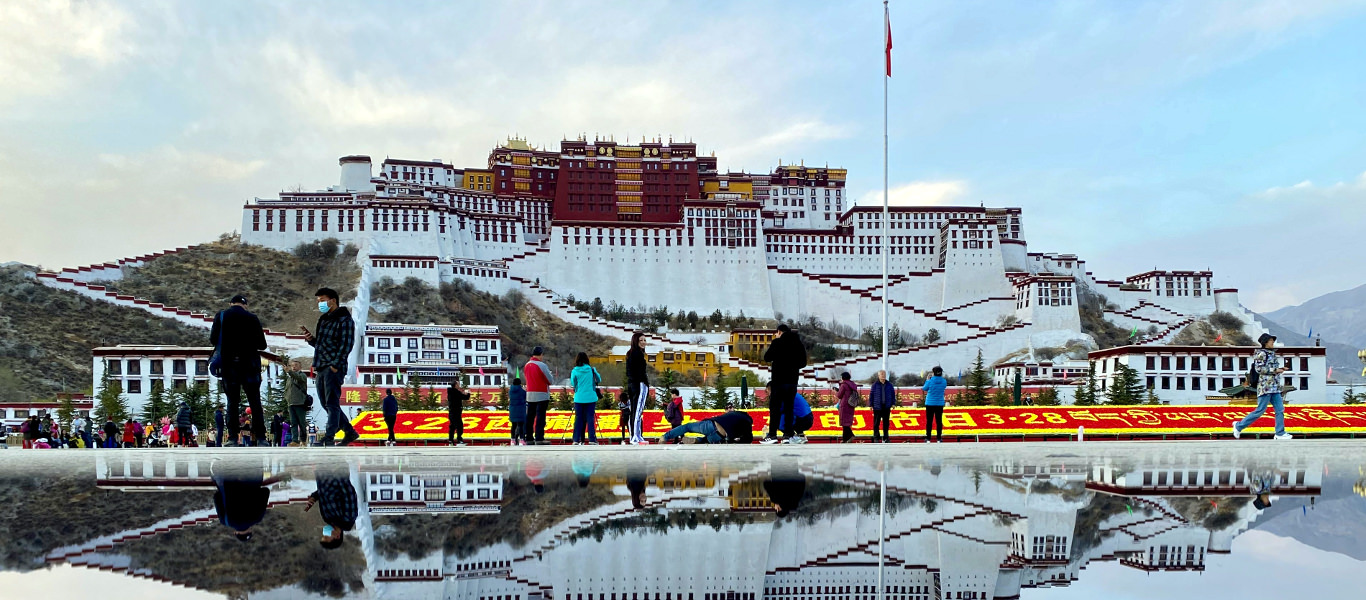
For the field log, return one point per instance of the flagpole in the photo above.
(886, 210)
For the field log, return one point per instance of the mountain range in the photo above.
(1338, 316)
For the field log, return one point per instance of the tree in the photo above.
(931, 336)
(718, 396)
(66, 411)
(596, 307)
(979, 381)
(1349, 395)
(692, 319)
(274, 400)
(109, 401)
(1002, 397)
(1125, 387)
(563, 400)
(1152, 399)
(665, 382)
(1047, 397)
(716, 317)
(1086, 394)
(157, 405)
(410, 398)
(503, 399)
(373, 399)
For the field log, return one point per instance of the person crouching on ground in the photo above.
(731, 427)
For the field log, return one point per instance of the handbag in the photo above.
(856, 399)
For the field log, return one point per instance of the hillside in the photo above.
(522, 325)
(279, 285)
(1339, 317)
(1341, 357)
(46, 335)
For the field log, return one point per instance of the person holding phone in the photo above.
(331, 351)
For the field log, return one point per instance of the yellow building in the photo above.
(750, 344)
(731, 186)
(663, 358)
(480, 180)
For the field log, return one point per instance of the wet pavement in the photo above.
(915, 521)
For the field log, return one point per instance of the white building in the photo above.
(1045, 372)
(138, 369)
(1191, 374)
(435, 353)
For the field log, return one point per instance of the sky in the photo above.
(1222, 135)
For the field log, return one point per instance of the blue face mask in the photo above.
(323, 307)
(327, 530)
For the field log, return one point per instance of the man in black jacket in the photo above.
(239, 337)
(732, 427)
(787, 357)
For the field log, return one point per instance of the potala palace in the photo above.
(656, 224)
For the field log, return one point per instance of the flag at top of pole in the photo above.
(887, 17)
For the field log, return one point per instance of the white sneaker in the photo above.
(1284, 436)
(1236, 432)
(801, 439)
(768, 441)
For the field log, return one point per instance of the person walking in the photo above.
(730, 427)
(585, 380)
(881, 399)
(847, 395)
(184, 424)
(239, 338)
(787, 357)
(331, 352)
(389, 407)
(538, 379)
(277, 430)
(456, 397)
(218, 423)
(296, 398)
(517, 412)
(673, 409)
(1266, 365)
(934, 403)
(637, 385)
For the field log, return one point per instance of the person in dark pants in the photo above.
(336, 501)
(538, 379)
(624, 405)
(277, 429)
(787, 357)
(517, 412)
(638, 386)
(389, 407)
(847, 393)
(731, 427)
(456, 397)
(934, 403)
(111, 433)
(239, 337)
(331, 353)
(218, 426)
(296, 397)
(881, 399)
(242, 496)
(585, 379)
(184, 424)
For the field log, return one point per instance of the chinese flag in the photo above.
(888, 19)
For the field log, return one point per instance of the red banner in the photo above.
(968, 421)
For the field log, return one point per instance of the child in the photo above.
(624, 403)
(517, 412)
(673, 411)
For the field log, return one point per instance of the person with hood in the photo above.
(456, 397)
(389, 407)
(296, 397)
(517, 412)
(585, 380)
(881, 398)
(331, 352)
(538, 380)
(787, 357)
(184, 423)
(637, 385)
(730, 427)
(673, 410)
(1266, 365)
(847, 394)
(239, 338)
(934, 403)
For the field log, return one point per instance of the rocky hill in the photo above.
(46, 335)
(1341, 357)
(279, 285)
(1339, 317)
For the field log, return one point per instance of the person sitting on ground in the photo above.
(731, 427)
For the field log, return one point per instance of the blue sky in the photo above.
(1183, 135)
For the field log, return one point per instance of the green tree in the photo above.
(1002, 397)
(1125, 387)
(716, 317)
(562, 400)
(201, 414)
(1086, 394)
(157, 405)
(931, 336)
(979, 381)
(1152, 399)
(503, 399)
(718, 395)
(1047, 397)
(665, 382)
(410, 397)
(66, 411)
(692, 319)
(109, 401)
(274, 399)
(1349, 395)
(373, 397)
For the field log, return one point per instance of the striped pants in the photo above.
(637, 432)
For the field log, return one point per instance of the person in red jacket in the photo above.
(538, 378)
(673, 411)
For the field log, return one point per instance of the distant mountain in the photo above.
(1337, 523)
(1341, 357)
(1339, 317)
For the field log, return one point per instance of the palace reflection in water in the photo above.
(653, 525)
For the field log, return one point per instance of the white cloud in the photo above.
(46, 43)
(919, 193)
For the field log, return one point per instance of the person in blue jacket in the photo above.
(881, 398)
(517, 412)
(934, 403)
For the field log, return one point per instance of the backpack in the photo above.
(1252, 375)
(855, 399)
(670, 411)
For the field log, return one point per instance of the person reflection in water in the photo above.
(636, 477)
(242, 496)
(785, 486)
(336, 501)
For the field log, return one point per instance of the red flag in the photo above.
(1219, 337)
(888, 18)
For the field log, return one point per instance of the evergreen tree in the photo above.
(718, 395)
(109, 401)
(1047, 397)
(562, 400)
(931, 336)
(274, 399)
(201, 414)
(979, 381)
(157, 405)
(1086, 394)
(503, 399)
(66, 411)
(1125, 387)
(373, 397)
(1001, 397)
(665, 382)
(1152, 399)
(410, 397)
(475, 402)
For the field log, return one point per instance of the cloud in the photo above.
(44, 44)
(919, 193)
